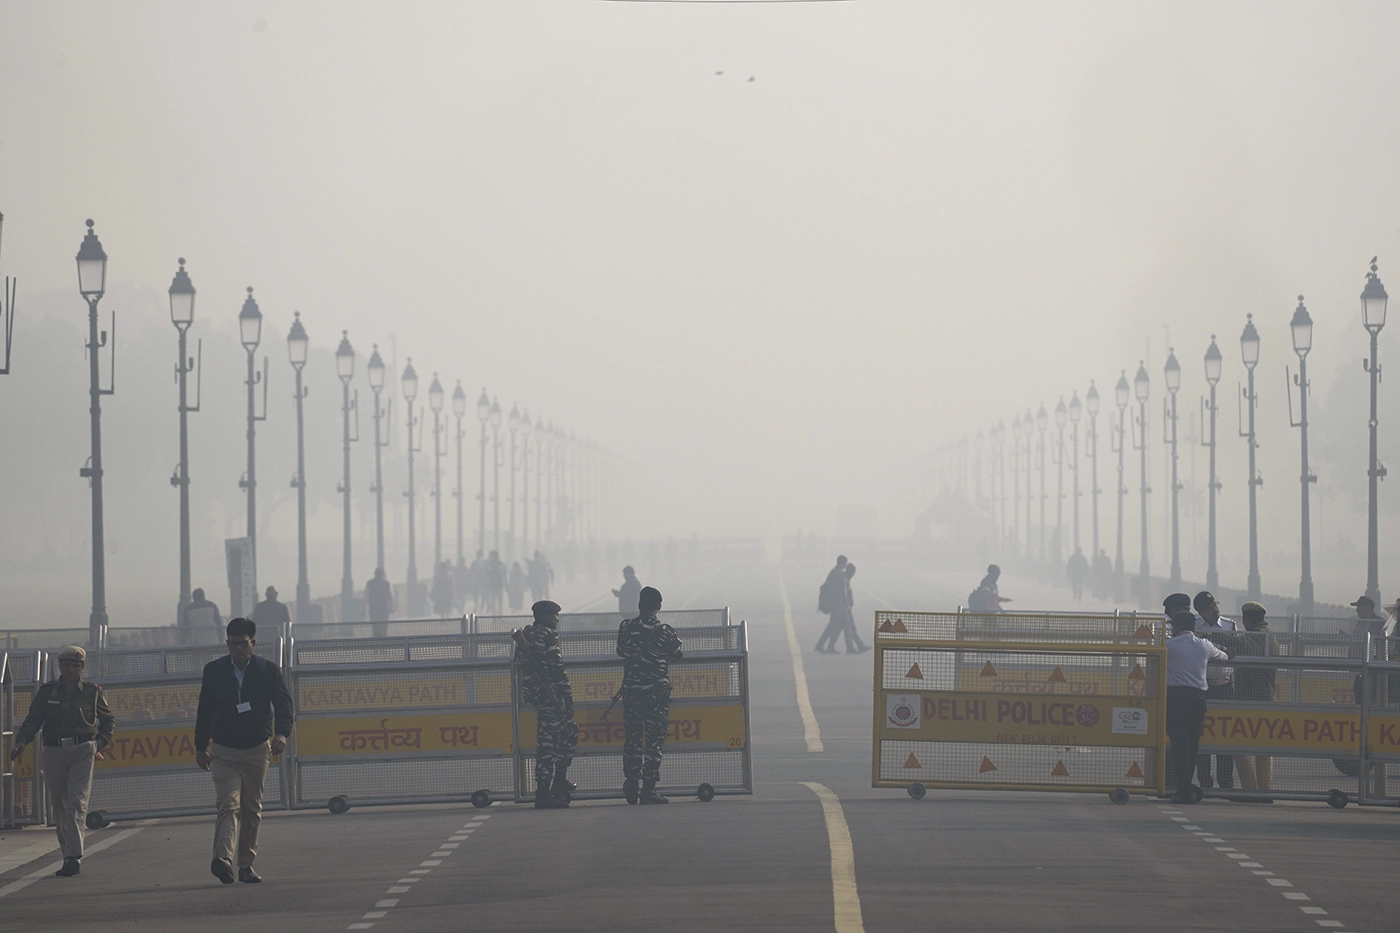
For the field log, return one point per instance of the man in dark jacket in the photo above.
(628, 594)
(270, 613)
(246, 711)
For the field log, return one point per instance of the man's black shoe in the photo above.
(649, 794)
(248, 876)
(221, 869)
(71, 867)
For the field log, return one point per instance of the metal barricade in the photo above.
(602, 621)
(395, 628)
(44, 639)
(23, 803)
(707, 751)
(1381, 752)
(412, 719)
(149, 770)
(1035, 701)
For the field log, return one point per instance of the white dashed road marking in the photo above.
(404, 885)
(1244, 861)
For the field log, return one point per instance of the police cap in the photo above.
(544, 608)
(73, 653)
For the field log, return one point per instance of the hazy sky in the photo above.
(773, 296)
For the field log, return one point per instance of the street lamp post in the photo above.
(1061, 417)
(1091, 404)
(1042, 420)
(1075, 411)
(1016, 490)
(409, 387)
(250, 333)
(1172, 378)
(296, 353)
(1249, 350)
(435, 401)
(496, 475)
(182, 316)
(1213, 366)
(7, 315)
(483, 414)
(513, 426)
(1120, 399)
(381, 412)
(539, 480)
(1140, 387)
(459, 409)
(345, 370)
(1373, 303)
(1301, 326)
(525, 428)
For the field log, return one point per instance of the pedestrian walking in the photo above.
(541, 575)
(76, 723)
(270, 614)
(1187, 657)
(1255, 685)
(845, 614)
(443, 592)
(829, 597)
(629, 593)
(1103, 575)
(201, 622)
(495, 584)
(478, 577)
(379, 601)
(1077, 571)
(243, 721)
(647, 647)
(515, 586)
(1221, 685)
(544, 684)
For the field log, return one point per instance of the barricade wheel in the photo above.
(481, 799)
(1118, 795)
(96, 819)
(917, 790)
(1337, 800)
(338, 805)
(705, 792)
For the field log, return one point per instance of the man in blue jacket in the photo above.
(245, 710)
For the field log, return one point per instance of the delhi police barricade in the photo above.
(149, 770)
(707, 749)
(22, 799)
(1294, 731)
(408, 719)
(1046, 702)
(602, 621)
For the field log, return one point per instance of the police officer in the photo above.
(647, 647)
(77, 725)
(544, 684)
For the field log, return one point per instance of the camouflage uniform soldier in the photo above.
(647, 647)
(544, 684)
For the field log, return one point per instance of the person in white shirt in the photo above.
(1187, 657)
(1220, 685)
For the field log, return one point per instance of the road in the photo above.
(815, 848)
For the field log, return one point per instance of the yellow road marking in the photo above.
(811, 731)
(845, 898)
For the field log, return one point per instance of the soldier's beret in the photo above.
(544, 607)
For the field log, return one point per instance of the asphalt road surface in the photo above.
(815, 848)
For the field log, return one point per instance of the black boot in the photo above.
(649, 794)
(562, 789)
(629, 790)
(544, 800)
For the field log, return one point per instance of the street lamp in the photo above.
(459, 409)
(296, 353)
(182, 316)
(513, 425)
(92, 282)
(250, 333)
(381, 413)
(1016, 489)
(525, 429)
(1120, 399)
(1373, 302)
(496, 474)
(1249, 351)
(1213, 366)
(539, 480)
(1172, 377)
(483, 414)
(1075, 412)
(1091, 405)
(1301, 326)
(435, 402)
(1140, 387)
(1061, 418)
(7, 314)
(1042, 420)
(409, 391)
(345, 370)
